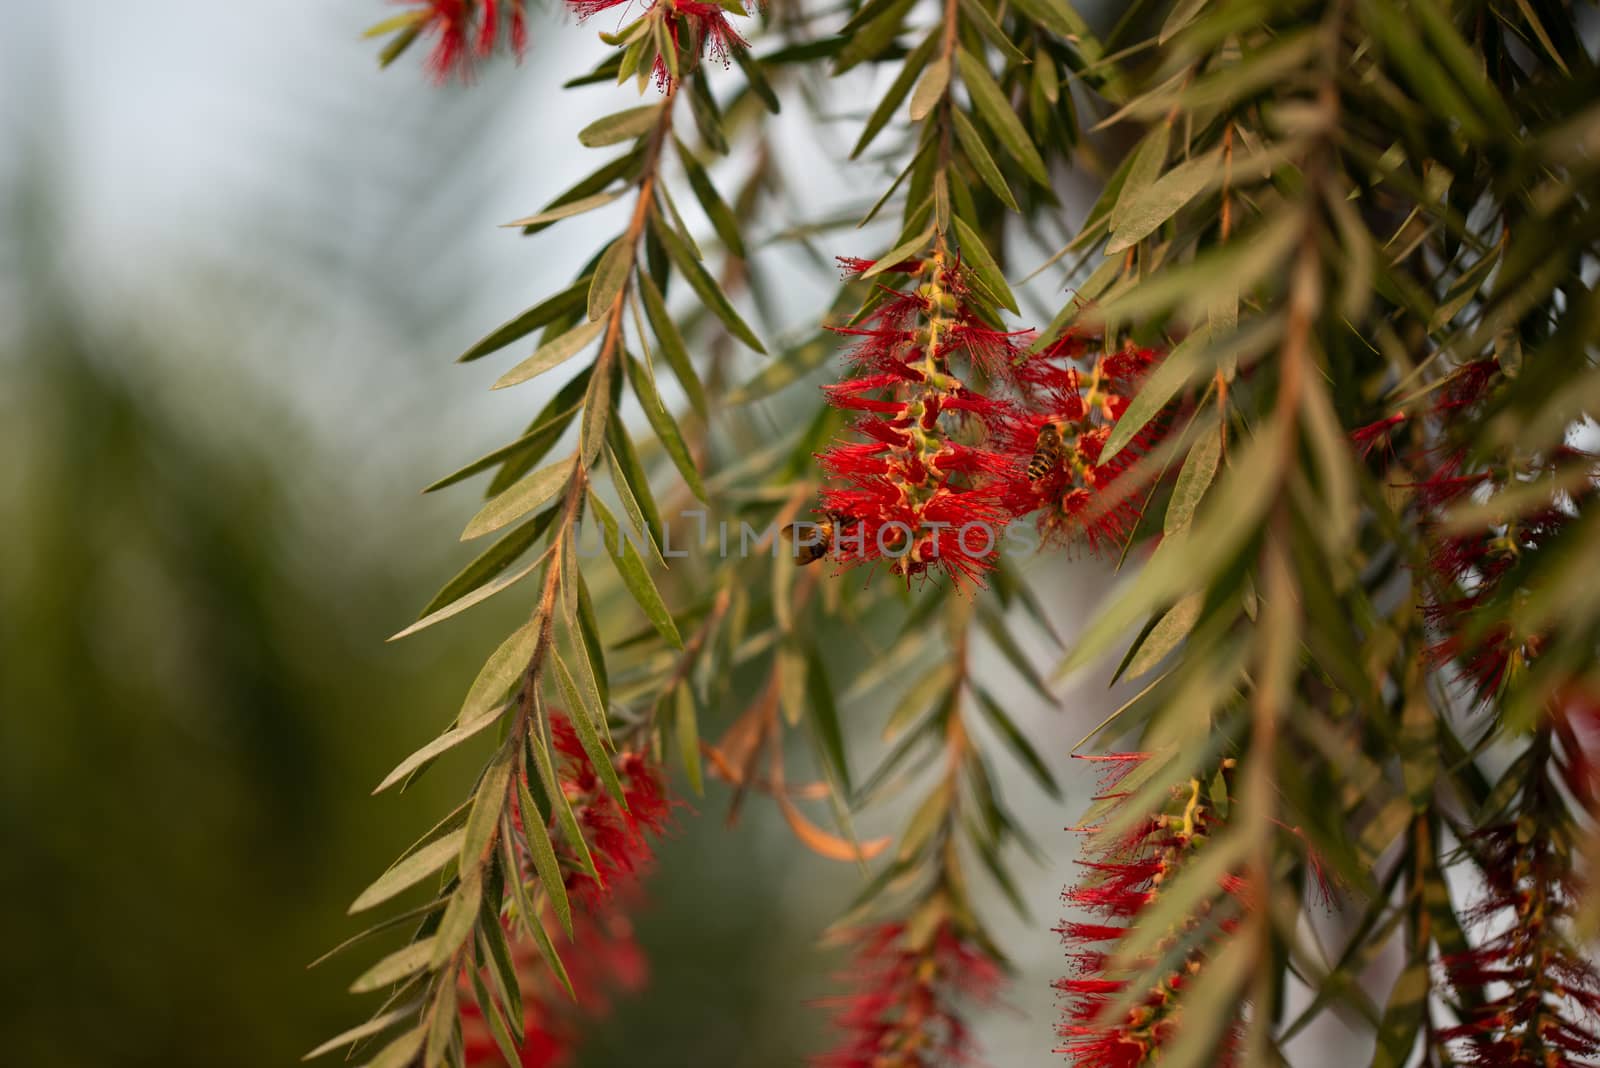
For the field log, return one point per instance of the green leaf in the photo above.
(873, 37)
(703, 284)
(484, 818)
(757, 79)
(631, 569)
(930, 89)
(665, 426)
(619, 127)
(442, 744)
(540, 749)
(633, 490)
(1058, 17)
(1233, 516)
(978, 155)
(1174, 626)
(1402, 1017)
(721, 216)
(994, 625)
(898, 89)
(900, 253)
(402, 962)
(1181, 15)
(543, 854)
(551, 354)
(504, 667)
(610, 275)
(490, 1009)
(519, 499)
(1183, 365)
(583, 715)
(399, 1053)
(687, 730)
(1152, 206)
(672, 344)
(566, 211)
(979, 17)
(410, 871)
(983, 266)
(530, 448)
(1193, 480)
(492, 562)
(541, 314)
(1018, 742)
(380, 1023)
(460, 917)
(1143, 170)
(996, 112)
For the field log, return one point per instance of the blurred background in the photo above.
(236, 263)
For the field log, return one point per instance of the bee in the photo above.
(812, 541)
(1047, 452)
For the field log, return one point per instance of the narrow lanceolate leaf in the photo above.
(504, 666)
(930, 89)
(672, 344)
(1018, 742)
(519, 499)
(983, 266)
(1174, 625)
(442, 744)
(480, 593)
(1193, 480)
(492, 562)
(1143, 170)
(543, 853)
(1221, 530)
(1162, 200)
(897, 91)
(487, 805)
(996, 112)
(410, 871)
(711, 202)
(704, 285)
(551, 354)
(460, 916)
(376, 1025)
(824, 718)
(541, 314)
(568, 823)
(399, 1053)
(630, 567)
(584, 714)
(982, 162)
(900, 253)
(1180, 367)
(686, 727)
(566, 211)
(619, 127)
(402, 962)
(610, 275)
(665, 426)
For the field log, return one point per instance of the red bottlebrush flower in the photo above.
(1539, 994)
(909, 986)
(925, 489)
(1122, 879)
(1057, 445)
(616, 837)
(1373, 435)
(602, 959)
(464, 27)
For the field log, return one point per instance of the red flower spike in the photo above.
(602, 959)
(925, 490)
(908, 988)
(1121, 881)
(464, 28)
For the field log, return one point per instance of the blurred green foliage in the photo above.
(197, 699)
